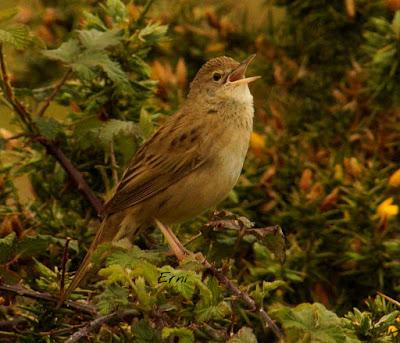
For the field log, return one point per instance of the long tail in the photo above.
(104, 234)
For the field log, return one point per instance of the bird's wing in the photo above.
(174, 151)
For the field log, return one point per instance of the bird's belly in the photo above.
(206, 188)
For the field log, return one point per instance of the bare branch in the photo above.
(96, 323)
(54, 93)
(25, 292)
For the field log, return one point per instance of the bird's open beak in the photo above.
(238, 75)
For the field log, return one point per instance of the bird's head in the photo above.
(222, 78)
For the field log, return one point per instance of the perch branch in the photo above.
(25, 292)
(96, 323)
(54, 93)
(222, 278)
(180, 253)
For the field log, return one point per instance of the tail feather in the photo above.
(86, 265)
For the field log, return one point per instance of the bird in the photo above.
(189, 165)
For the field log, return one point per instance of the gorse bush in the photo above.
(86, 83)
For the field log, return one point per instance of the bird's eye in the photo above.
(217, 76)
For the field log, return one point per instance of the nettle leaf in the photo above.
(152, 33)
(67, 52)
(7, 247)
(274, 239)
(49, 127)
(114, 127)
(211, 305)
(18, 36)
(114, 297)
(91, 59)
(244, 335)
(96, 40)
(313, 321)
(185, 335)
(181, 281)
(144, 333)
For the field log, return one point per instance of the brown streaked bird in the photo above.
(189, 164)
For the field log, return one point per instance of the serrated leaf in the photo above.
(49, 127)
(67, 52)
(144, 333)
(96, 40)
(91, 59)
(274, 239)
(185, 335)
(152, 33)
(244, 335)
(114, 297)
(181, 281)
(7, 246)
(313, 321)
(18, 36)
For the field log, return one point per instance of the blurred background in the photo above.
(324, 159)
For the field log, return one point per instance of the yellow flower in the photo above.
(394, 179)
(386, 209)
(257, 142)
(392, 330)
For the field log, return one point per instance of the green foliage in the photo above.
(321, 169)
(184, 334)
(313, 323)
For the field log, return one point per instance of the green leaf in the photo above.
(152, 33)
(146, 123)
(116, 10)
(18, 36)
(274, 239)
(185, 335)
(114, 297)
(211, 305)
(7, 247)
(49, 127)
(396, 25)
(91, 59)
(67, 52)
(96, 40)
(144, 333)
(244, 335)
(314, 323)
(181, 281)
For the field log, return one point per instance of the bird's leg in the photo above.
(176, 246)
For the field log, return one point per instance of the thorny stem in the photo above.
(25, 292)
(96, 323)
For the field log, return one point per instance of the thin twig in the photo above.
(54, 92)
(75, 175)
(96, 323)
(142, 15)
(244, 297)
(64, 262)
(14, 323)
(25, 292)
(180, 253)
